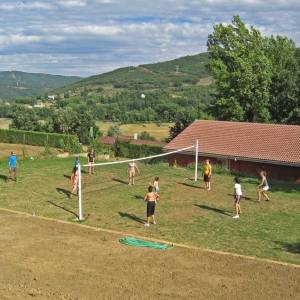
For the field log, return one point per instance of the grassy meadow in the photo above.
(160, 132)
(186, 212)
(4, 123)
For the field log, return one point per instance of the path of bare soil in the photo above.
(43, 259)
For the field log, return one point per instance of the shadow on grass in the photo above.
(132, 217)
(243, 197)
(217, 210)
(64, 208)
(63, 191)
(190, 185)
(289, 247)
(138, 197)
(67, 176)
(120, 181)
(3, 177)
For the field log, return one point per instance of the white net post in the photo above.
(80, 214)
(196, 159)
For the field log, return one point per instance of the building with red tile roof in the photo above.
(243, 147)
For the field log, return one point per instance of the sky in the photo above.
(87, 37)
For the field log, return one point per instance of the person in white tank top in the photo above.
(237, 197)
(132, 170)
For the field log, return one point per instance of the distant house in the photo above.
(243, 147)
(51, 97)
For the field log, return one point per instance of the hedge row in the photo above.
(67, 142)
(125, 149)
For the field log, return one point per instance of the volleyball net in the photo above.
(126, 161)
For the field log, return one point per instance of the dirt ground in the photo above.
(43, 259)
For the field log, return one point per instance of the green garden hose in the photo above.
(140, 243)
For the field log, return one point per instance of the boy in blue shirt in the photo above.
(12, 163)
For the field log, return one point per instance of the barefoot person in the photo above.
(155, 184)
(151, 198)
(12, 164)
(237, 197)
(91, 160)
(74, 181)
(207, 174)
(263, 186)
(132, 170)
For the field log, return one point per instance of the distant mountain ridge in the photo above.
(187, 70)
(15, 84)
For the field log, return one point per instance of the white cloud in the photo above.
(19, 5)
(72, 3)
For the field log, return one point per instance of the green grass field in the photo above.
(159, 132)
(186, 212)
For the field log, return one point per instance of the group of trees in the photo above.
(59, 120)
(256, 77)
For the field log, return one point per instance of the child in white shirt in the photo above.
(237, 197)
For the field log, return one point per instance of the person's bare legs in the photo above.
(153, 220)
(265, 195)
(259, 194)
(208, 186)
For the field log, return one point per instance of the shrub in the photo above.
(34, 138)
(125, 149)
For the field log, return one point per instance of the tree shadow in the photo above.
(132, 217)
(289, 247)
(243, 197)
(63, 191)
(3, 177)
(64, 208)
(217, 210)
(67, 176)
(190, 185)
(138, 197)
(120, 181)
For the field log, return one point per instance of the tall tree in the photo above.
(283, 87)
(242, 72)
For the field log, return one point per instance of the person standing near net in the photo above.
(263, 187)
(151, 198)
(132, 170)
(91, 160)
(155, 184)
(207, 171)
(74, 181)
(12, 164)
(237, 197)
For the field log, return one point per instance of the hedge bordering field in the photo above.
(67, 142)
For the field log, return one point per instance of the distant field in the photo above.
(159, 132)
(4, 123)
(20, 150)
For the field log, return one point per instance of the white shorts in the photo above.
(266, 188)
(131, 173)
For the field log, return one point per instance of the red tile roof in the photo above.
(251, 141)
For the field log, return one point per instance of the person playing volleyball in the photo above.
(263, 186)
(155, 184)
(151, 198)
(74, 181)
(207, 174)
(91, 160)
(237, 197)
(132, 170)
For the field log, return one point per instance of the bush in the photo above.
(34, 138)
(146, 136)
(125, 149)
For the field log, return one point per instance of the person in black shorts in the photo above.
(151, 198)
(91, 160)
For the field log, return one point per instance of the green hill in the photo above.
(188, 70)
(15, 84)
